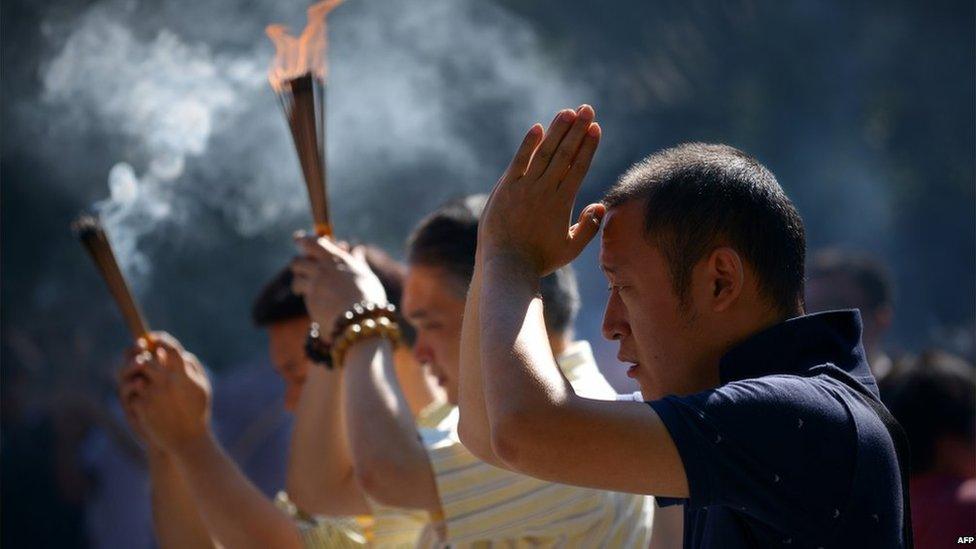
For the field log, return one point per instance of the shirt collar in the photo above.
(797, 345)
(577, 356)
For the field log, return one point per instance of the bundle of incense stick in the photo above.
(297, 75)
(93, 238)
(303, 102)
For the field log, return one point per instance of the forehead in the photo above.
(623, 234)
(428, 290)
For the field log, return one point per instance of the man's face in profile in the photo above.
(656, 335)
(435, 308)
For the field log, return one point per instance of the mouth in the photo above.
(632, 371)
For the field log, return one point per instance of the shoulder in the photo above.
(778, 403)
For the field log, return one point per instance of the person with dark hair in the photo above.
(839, 279)
(467, 501)
(167, 398)
(934, 398)
(763, 422)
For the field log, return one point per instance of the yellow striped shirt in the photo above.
(485, 506)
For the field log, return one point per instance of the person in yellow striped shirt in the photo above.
(468, 501)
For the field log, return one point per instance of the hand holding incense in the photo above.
(92, 236)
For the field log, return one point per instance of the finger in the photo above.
(309, 246)
(305, 266)
(586, 228)
(192, 362)
(166, 340)
(129, 373)
(523, 155)
(570, 146)
(581, 164)
(169, 357)
(131, 390)
(300, 285)
(358, 253)
(540, 161)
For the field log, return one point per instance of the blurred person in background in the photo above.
(933, 396)
(839, 279)
(466, 500)
(185, 520)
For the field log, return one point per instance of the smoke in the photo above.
(423, 94)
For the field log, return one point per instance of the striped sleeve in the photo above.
(321, 532)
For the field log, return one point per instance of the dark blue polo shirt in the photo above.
(782, 454)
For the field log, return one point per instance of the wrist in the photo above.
(191, 444)
(514, 268)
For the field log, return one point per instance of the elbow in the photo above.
(474, 441)
(510, 437)
(378, 477)
(316, 497)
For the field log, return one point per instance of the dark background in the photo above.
(864, 112)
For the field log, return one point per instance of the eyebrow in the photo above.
(416, 314)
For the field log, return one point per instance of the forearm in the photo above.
(235, 512)
(474, 427)
(320, 472)
(390, 462)
(176, 521)
(521, 379)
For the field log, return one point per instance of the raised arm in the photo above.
(320, 470)
(390, 463)
(539, 426)
(176, 520)
(174, 408)
(473, 428)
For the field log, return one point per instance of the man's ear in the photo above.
(726, 277)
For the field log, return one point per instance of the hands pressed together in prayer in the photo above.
(527, 216)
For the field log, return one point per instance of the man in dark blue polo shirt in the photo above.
(763, 422)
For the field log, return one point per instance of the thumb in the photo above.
(586, 228)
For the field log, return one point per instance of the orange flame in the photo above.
(295, 56)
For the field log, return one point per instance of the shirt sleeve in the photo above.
(778, 448)
(484, 502)
(322, 532)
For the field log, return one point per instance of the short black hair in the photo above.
(448, 239)
(870, 275)
(932, 396)
(276, 302)
(697, 196)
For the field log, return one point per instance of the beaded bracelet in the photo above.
(316, 349)
(368, 328)
(359, 312)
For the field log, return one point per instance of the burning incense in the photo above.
(297, 76)
(93, 238)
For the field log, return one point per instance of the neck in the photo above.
(736, 331)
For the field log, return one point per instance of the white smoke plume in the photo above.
(446, 85)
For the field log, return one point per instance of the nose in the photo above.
(615, 325)
(422, 351)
